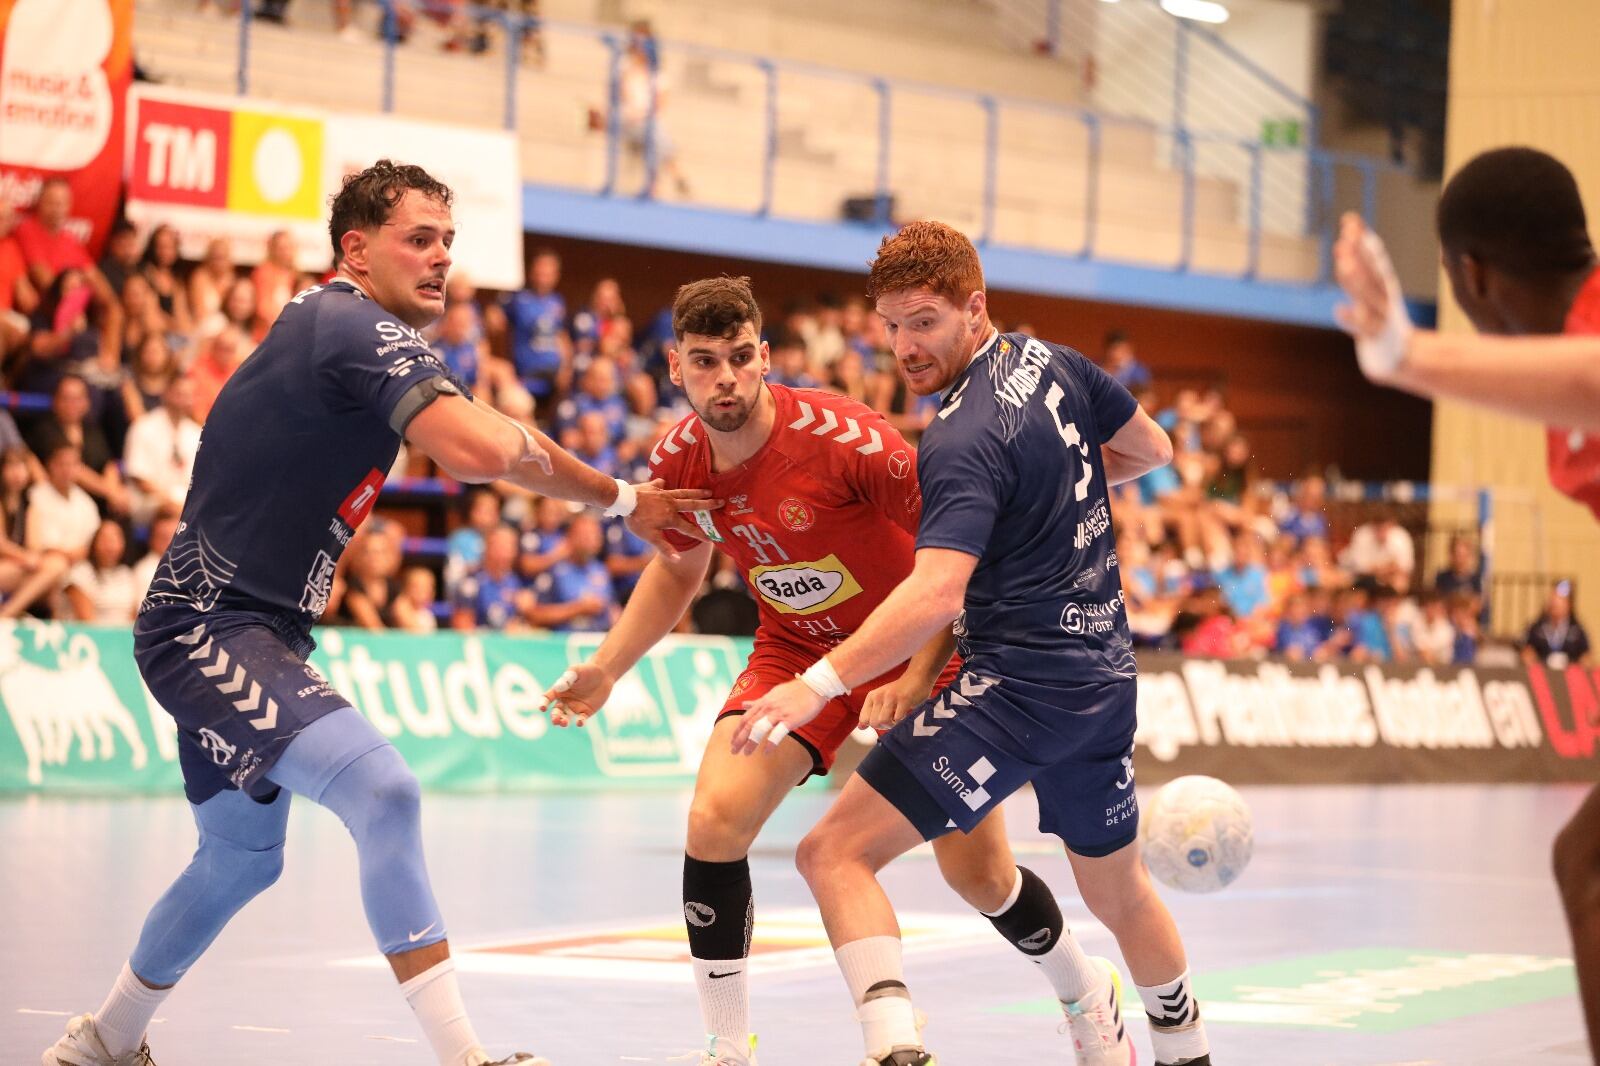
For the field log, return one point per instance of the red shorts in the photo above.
(770, 665)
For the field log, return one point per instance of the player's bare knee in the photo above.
(817, 852)
(979, 880)
(719, 830)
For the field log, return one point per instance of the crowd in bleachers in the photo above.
(115, 365)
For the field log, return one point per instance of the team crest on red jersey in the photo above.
(741, 686)
(796, 515)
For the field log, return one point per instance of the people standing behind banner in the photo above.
(274, 279)
(576, 594)
(1556, 639)
(102, 588)
(493, 596)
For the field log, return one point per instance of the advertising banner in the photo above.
(65, 66)
(217, 166)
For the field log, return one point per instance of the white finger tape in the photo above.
(565, 681)
(779, 731)
(759, 731)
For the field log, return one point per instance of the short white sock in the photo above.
(123, 1018)
(725, 1000)
(867, 961)
(1176, 1032)
(888, 1022)
(435, 998)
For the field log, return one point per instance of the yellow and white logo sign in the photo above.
(805, 588)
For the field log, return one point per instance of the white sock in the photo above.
(123, 1018)
(887, 1020)
(1176, 1032)
(435, 998)
(867, 961)
(724, 986)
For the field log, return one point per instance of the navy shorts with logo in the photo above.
(959, 754)
(239, 687)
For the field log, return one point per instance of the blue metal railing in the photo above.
(1257, 160)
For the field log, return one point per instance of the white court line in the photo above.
(46, 1013)
(394, 1039)
(258, 1029)
(1394, 874)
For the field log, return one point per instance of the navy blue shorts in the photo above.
(238, 686)
(947, 765)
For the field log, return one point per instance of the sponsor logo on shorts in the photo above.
(247, 766)
(220, 750)
(699, 915)
(1082, 619)
(1093, 526)
(1127, 775)
(973, 795)
(805, 587)
(796, 515)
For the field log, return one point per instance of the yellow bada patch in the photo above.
(805, 588)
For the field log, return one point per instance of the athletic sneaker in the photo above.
(1095, 1024)
(903, 1055)
(728, 1056)
(480, 1057)
(81, 1046)
(1203, 1060)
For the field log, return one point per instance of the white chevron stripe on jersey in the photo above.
(193, 636)
(807, 416)
(830, 422)
(874, 445)
(853, 432)
(270, 718)
(670, 445)
(686, 435)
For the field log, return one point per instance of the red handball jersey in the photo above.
(1574, 456)
(821, 521)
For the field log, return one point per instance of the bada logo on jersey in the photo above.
(805, 588)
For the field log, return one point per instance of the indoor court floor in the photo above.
(1376, 926)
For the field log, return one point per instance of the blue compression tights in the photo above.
(343, 764)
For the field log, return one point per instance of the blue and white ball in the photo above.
(1196, 834)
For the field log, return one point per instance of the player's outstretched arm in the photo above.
(665, 590)
(1139, 447)
(1554, 380)
(912, 614)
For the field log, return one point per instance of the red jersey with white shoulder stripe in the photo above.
(821, 521)
(1573, 455)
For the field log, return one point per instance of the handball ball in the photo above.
(1196, 834)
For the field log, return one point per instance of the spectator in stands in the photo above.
(642, 97)
(1400, 619)
(26, 574)
(591, 444)
(238, 312)
(493, 596)
(141, 316)
(823, 333)
(450, 15)
(209, 283)
(274, 278)
(595, 329)
(1556, 639)
(545, 544)
(1317, 567)
(626, 556)
(535, 324)
(101, 588)
(1361, 635)
(161, 531)
(464, 546)
(152, 369)
(1283, 572)
(219, 358)
(67, 423)
(412, 609)
(1204, 627)
(575, 595)
(1122, 363)
(1307, 514)
(58, 331)
(158, 456)
(1463, 573)
(62, 517)
(159, 265)
(599, 393)
(460, 345)
(790, 367)
(18, 296)
(370, 578)
(848, 376)
(1299, 634)
(1380, 547)
(120, 261)
(1435, 637)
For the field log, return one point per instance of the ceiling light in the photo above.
(1199, 10)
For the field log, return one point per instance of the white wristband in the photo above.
(627, 499)
(821, 678)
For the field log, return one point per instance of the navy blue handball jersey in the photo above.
(293, 456)
(1011, 472)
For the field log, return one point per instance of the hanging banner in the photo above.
(243, 169)
(65, 66)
